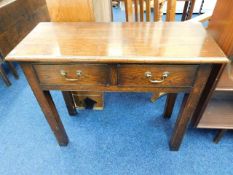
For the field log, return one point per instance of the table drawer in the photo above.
(157, 75)
(83, 74)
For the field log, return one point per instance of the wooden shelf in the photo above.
(219, 112)
(226, 81)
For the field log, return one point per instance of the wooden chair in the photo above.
(135, 10)
(3, 73)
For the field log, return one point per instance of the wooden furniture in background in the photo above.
(158, 5)
(135, 10)
(188, 9)
(121, 62)
(80, 11)
(3, 73)
(218, 114)
(70, 11)
(17, 19)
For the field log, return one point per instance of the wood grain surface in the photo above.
(134, 75)
(89, 74)
(119, 43)
(71, 10)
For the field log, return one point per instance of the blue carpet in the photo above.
(128, 137)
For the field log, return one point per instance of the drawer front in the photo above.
(83, 74)
(157, 75)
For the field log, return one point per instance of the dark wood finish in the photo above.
(136, 3)
(189, 106)
(207, 93)
(219, 135)
(17, 19)
(68, 98)
(10, 65)
(13, 70)
(47, 106)
(4, 76)
(188, 10)
(3, 73)
(115, 88)
(158, 7)
(184, 14)
(134, 75)
(148, 43)
(89, 74)
(73, 11)
(170, 102)
(132, 46)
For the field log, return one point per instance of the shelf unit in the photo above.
(219, 111)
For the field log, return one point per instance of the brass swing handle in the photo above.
(162, 79)
(65, 75)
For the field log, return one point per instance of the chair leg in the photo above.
(170, 102)
(4, 76)
(219, 135)
(13, 70)
(184, 14)
(69, 103)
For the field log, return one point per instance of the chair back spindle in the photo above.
(135, 10)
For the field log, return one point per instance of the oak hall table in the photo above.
(119, 57)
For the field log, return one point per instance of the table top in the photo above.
(171, 42)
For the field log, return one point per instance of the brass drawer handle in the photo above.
(65, 75)
(150, 76)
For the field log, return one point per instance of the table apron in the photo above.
(116, 88)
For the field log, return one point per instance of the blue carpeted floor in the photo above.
(128, 137)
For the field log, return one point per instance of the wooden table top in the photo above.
(173, 42)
